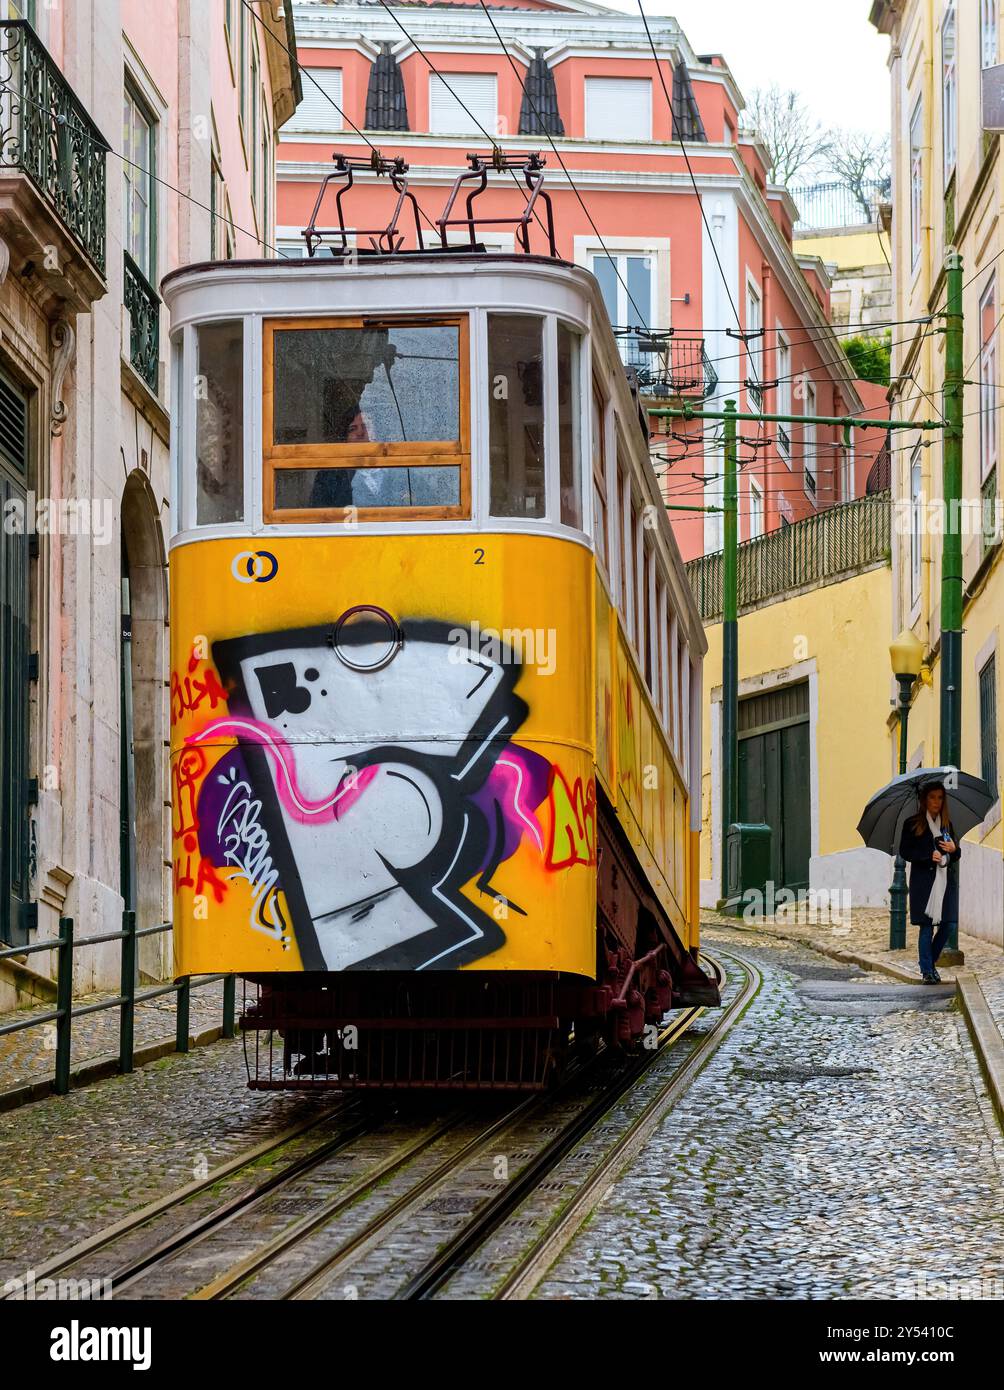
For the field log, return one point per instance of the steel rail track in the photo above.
(91, 1245)
(451, 1257)
(232, 1279)
(558, 1233)
(220, 1216)
(322, 1274)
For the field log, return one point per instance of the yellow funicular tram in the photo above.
(436, 667)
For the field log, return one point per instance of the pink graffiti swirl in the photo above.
(351, 784)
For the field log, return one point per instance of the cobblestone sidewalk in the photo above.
(30, 1054)
(865, 931)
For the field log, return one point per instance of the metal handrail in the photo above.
(125, 1001)
(818, 549)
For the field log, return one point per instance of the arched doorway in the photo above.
(143, 716)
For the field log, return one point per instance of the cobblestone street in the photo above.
(839, 1143)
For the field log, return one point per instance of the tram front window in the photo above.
(366, 414)
(219, 423)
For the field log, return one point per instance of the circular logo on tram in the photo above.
(254, 566)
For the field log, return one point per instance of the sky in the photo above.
(825, 49)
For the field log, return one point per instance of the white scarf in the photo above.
(937, 897)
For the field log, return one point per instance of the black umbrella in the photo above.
(882, 821)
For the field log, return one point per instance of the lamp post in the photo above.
(906, 655)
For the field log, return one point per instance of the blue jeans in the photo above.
(929, 950)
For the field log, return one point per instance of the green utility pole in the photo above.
(951, 554)
(730, 640)
(730, 556)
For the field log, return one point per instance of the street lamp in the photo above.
(907, 656)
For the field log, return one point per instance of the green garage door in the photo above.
(774, 777)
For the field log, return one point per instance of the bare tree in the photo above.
(794, 141)
(860, 161)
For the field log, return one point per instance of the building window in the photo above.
(217, 201)
(988, 725)
(618, 108)
(253, 142)
(754, 348)
(229, 241)
(321, 107)
(756, 510)
(988, 380)
(627, 283)
(242, 60)
(988, 32)
(783, 395)
(949, 93)
(916, 180)
(266, 187)
(847, 471)
(463, 103)
(139, 133)
(916, 509)
(809, 441)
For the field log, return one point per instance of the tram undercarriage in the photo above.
(477, 1030)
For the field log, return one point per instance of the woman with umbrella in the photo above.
(910, 816)
(928, 844)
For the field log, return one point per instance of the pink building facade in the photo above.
(684, 273)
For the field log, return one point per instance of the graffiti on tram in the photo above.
(375, 776)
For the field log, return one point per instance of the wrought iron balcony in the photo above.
(47, 135)
(669, 367)
(143, 306)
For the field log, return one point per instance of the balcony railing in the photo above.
(143, 306)
(819, 550)
(825, 205)
(46, 133)
(668, 366)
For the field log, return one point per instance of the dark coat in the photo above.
(918, 851)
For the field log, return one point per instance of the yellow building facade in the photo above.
(948, 191)
(814, 714)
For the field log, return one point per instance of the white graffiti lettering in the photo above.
(247, 849)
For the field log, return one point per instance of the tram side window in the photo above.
(516, 415)
(368, 414)
(624, 548)
(569, 415)
(647, 578)
(219, 423)
(599, 481)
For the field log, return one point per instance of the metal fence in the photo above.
(125, 1001)
(824, 205)
(818, 550)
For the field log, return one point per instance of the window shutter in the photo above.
(13, 667)
(316, 113)
(618, 108)
(478, 91)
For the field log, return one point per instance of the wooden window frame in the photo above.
(372, 454)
